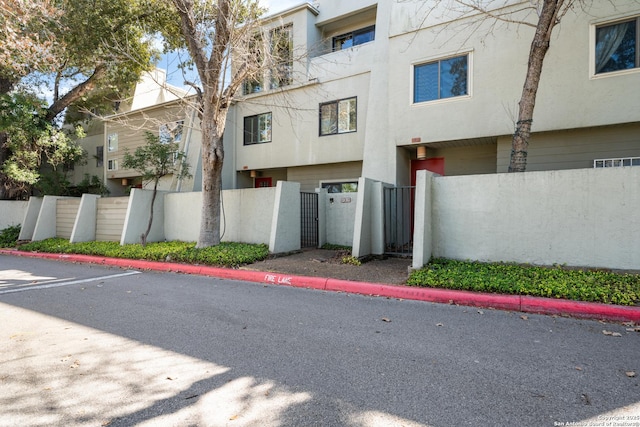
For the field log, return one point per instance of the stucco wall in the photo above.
(340, 210)
(247, 215)
(12, 212)
(582, 217)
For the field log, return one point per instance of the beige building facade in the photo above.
(382, 89)
(440, 85)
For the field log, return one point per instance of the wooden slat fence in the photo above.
(66, 212)
(110, 219)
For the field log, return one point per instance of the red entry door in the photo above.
(263, 182)
(435, 165)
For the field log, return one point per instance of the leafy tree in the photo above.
(153, 161)
(26, 40)
(213, 32)
(32, 142)
(87, 53)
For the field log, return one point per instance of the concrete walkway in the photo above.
(519, 303)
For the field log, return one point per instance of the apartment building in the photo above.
(380, 89)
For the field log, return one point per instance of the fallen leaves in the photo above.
(631, 374)
(386, 319)
(524, 317)
(612, 334)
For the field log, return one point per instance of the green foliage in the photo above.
(89, 185)
(349, 259)
(557, 282)
(226, 254)
(31, 143)
(9, 236)
(156, 159)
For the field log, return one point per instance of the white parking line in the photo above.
(72, 282)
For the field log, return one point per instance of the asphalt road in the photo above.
(95, 346)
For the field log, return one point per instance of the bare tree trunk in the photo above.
(145, 235)
(76, 93)
(539, 47)
(4, 155)
(6, 85)
(212, 161)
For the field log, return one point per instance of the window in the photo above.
(614, 163)
(341, 187)
(441, 79)
(112, 142)
(257, 129)
(171, 132)
(99, 156)
(112, 165)
(354, 38)
(282, 52)
(279, 42)
(338, 116)
(617, 46)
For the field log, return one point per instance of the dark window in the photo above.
(257, 129)
(354, 38)
(341, 187)
(338, 116)
(282, 53)
(617, 46)
(99, 156)
(276, 69)
(441, 79)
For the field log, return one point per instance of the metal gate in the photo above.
(308, 220)
(398, 220)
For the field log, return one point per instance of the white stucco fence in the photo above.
(583, 217)
(12, 212)
(257, 215)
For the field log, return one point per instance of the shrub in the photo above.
(9, 236)
(226, 254)
(556, 282)
(349, 259)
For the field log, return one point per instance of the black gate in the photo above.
(308, 220)
(398, 220)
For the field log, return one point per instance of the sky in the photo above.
(169, 62)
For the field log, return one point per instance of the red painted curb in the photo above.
(475, 299)
(589, 310)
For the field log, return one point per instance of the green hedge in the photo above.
(9, 236)
(226, 254)
(556, 282)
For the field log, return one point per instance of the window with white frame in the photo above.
(112, 142)
(112, 165)
(441, 79)
(171, 132)
(616, 46)
(257, 129)
(338, 116)
(354, 38)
